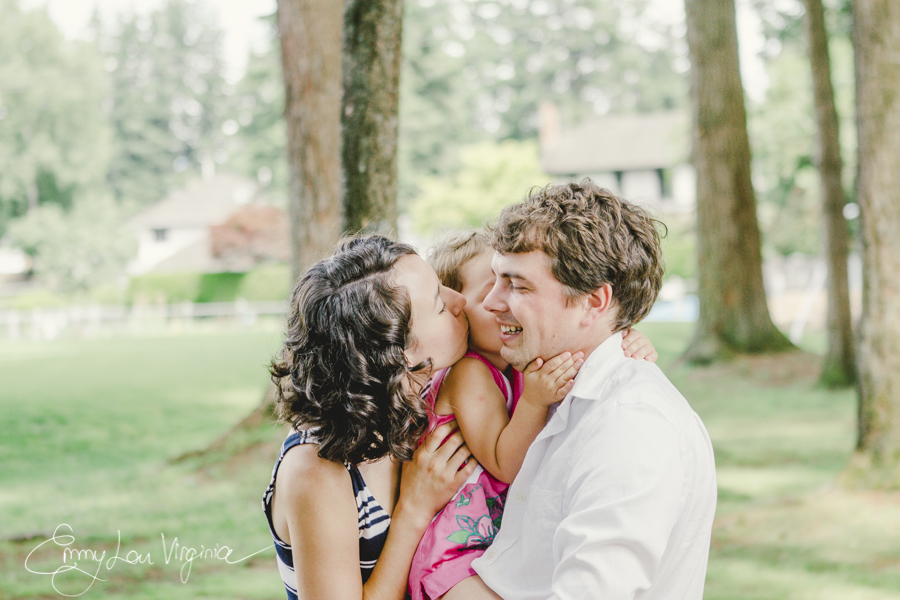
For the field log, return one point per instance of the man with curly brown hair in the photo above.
(616, 496)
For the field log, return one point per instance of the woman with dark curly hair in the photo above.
(367, 328)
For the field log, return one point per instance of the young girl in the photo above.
(499, 411)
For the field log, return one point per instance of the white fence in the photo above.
(100, 320)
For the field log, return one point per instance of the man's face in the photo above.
(530, 305)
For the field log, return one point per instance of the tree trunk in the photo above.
(839, 367)
(734, 316)
(310, 32)
(372, 34)
(876, 39)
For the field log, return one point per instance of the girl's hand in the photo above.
(637, 346)
(438, 468)
(549, 382)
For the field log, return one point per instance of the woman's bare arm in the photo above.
(322, 519)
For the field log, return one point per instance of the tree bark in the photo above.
(839, 367)
(734, 316)
(876, 39)
(372, 35)
(310, 32)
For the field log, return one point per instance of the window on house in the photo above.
(664, 187)
(160, 234)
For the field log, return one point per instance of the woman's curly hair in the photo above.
(343, 368)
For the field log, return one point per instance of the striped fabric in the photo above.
(373, 520)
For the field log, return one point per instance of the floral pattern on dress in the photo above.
(477, 531)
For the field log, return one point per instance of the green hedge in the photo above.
(267, 282)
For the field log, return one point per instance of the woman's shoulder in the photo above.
(302, 470)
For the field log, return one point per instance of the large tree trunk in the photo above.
(310, 32)
(372, 34)
(734, 315)
(876, 39)
(839, 367)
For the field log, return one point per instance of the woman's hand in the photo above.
(637, 345)
(438, 468)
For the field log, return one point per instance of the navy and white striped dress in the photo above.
(373, 519)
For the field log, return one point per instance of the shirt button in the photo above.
(520, 497)
(491, 554)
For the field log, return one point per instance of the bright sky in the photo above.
(237, 19)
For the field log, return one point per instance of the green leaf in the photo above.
(459, 537)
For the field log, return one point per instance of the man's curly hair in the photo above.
(342, 368)
(592, 237)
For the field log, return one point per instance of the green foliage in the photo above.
(587, 56)
(219, 287)
(436, 103)
(164, 287)
(265, 282)
(79, 249)
(258, 146)
(491, 176)
(477, 71)
(679, 247)
(782, 130)
(54, 139)
(169, 97)
(782, 133)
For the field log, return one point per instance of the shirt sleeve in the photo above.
(621, 503)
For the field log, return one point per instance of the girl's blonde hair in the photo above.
(453, 251)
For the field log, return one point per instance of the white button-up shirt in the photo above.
(616, 496)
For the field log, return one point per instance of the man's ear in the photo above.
(600, 304)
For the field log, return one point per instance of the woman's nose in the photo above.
(455, 301)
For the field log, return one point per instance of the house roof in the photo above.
(201, 203)
(620, 143)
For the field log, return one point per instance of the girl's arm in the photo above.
(496, 440)
(322, 518)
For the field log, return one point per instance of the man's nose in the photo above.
(494, 301)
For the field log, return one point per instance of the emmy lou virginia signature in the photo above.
(87, 563)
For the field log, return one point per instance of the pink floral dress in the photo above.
(462, 531)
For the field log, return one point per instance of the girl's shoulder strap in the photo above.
(512, 390)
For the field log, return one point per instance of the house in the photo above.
(176, 233)
(642, 157)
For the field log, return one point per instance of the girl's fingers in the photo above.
(554, 363)
(571, 372)
(563, 391)
(535, 365)
(568, 369)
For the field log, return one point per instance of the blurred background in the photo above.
(146, 258)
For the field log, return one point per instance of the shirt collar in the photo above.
(597, 367)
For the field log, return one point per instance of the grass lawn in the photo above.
(90, 431)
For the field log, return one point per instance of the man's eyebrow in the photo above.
(514, 275)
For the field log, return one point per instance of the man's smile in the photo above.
(510, 329)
